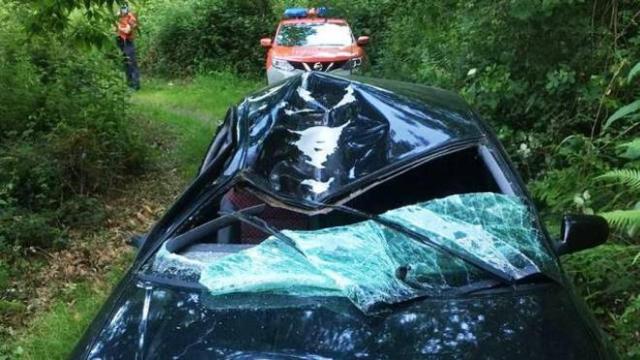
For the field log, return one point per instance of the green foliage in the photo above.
(25, 228)
(54, 16)
(631, 149)
(65, 136)
(627, 326)
(631, 110)
(608, 277)
(606, 282)
(629, 180)
(67, 319)
(187, 37)
(633, 72)
(4, 275)
(623, 219)
(626, 177)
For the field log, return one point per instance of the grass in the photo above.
(193, 110)
(190, 111)
(53, 334)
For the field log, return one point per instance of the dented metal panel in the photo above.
(312, 137)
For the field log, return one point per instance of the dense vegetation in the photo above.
(65, 134)
(185, 37)
(66, 139)
(559, 80)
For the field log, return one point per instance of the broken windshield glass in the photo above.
(371, 264)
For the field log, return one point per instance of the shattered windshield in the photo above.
(371, 264)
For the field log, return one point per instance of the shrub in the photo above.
(607, 275)
(65, 136)
(4, 275)
(27, 229)
(626, 329)
(207, 35)
(608, 278)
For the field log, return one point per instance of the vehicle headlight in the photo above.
(281, 64)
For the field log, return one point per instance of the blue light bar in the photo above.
(296, 13)
(322, 11)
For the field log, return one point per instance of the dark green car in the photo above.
(352, 218)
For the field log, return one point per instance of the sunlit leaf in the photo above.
(634, 71)
(624, 111)
(631, 149)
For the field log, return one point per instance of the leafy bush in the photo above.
(607, 275)
(191, 36)
(65, 136)
(26, 228)
(4, 275)
(626, 326)
(608, 278)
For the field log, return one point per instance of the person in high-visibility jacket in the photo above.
(127, 26)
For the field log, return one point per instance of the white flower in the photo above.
(472, 72)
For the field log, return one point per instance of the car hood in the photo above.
(317, 53)
(162, 321)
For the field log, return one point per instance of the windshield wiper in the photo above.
(248, 218)
(174, 245)
(483, 285)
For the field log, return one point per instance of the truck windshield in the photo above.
(324, 34)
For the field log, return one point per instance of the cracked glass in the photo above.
(372, 264)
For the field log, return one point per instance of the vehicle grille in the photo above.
(325, 66)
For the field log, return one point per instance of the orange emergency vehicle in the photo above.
(308, 40)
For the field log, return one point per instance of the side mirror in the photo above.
(363, 40)
(580, 232)
(265, 43)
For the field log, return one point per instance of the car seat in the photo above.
(241, 233)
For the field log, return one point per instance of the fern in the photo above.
(628, 177)
(623, 219)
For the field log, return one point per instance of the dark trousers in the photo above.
(130, 62)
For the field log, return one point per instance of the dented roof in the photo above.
(316, 135)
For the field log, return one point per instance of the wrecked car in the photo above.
(352, 218)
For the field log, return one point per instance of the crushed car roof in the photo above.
(316, 134)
